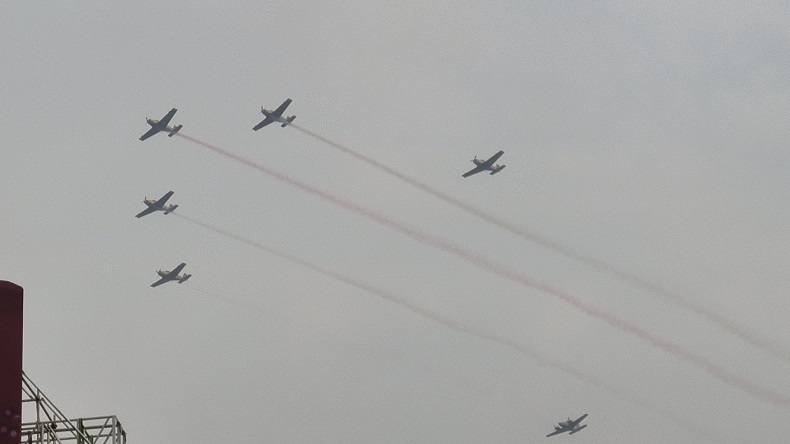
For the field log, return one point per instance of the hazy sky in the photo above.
(652, 137)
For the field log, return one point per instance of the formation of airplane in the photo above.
(275, 116)
(571, 426)
(161, 125)
(158, 205)
(271, 116)
(484, 165)
(167, 276)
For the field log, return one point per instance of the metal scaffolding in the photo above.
(51, 426)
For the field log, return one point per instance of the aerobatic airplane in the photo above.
(168, 276)
(161, 125)
(275, 116)
(158, 205)
(570, 425)
(483, 165)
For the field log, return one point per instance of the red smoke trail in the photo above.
(722, 321)
(671, 348)
(451, 324)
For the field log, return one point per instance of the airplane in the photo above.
(570, 425)
(161, 125)
(483, 165)
(168, 276)
(158, 205)
(275, 116)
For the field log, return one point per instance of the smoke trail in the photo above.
(449, 323)
(671, 348)
(722, 321)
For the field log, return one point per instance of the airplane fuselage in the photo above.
(166, 208)
(167, 128)
(275, 115)
(570, 426)
(281, 119)
(269, 113)
(161, 125)
(171, 275)
(164, 273)
(487, 165)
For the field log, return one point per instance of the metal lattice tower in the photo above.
(51, 426)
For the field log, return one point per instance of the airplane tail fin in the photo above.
(175, 130)
(289, 120)
(171, 208)
(578, 429)
(497, 168)
(187, 276)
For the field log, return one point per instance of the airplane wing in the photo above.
(166, 119)
(177, 270)
(556, 432)
(580, 419)
(163, 199)
(474, 170)
(577, 429)
(494, 158)
(148, 210)
(161, 281)
(281, 109)
(263, 123)
(151, 132)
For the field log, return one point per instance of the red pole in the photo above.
(10, 363)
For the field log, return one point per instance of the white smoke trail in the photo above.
(671, 348)
(457, 326)
(724, 322)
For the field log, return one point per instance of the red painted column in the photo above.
(10, 363)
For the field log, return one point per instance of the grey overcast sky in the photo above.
(652, 136)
